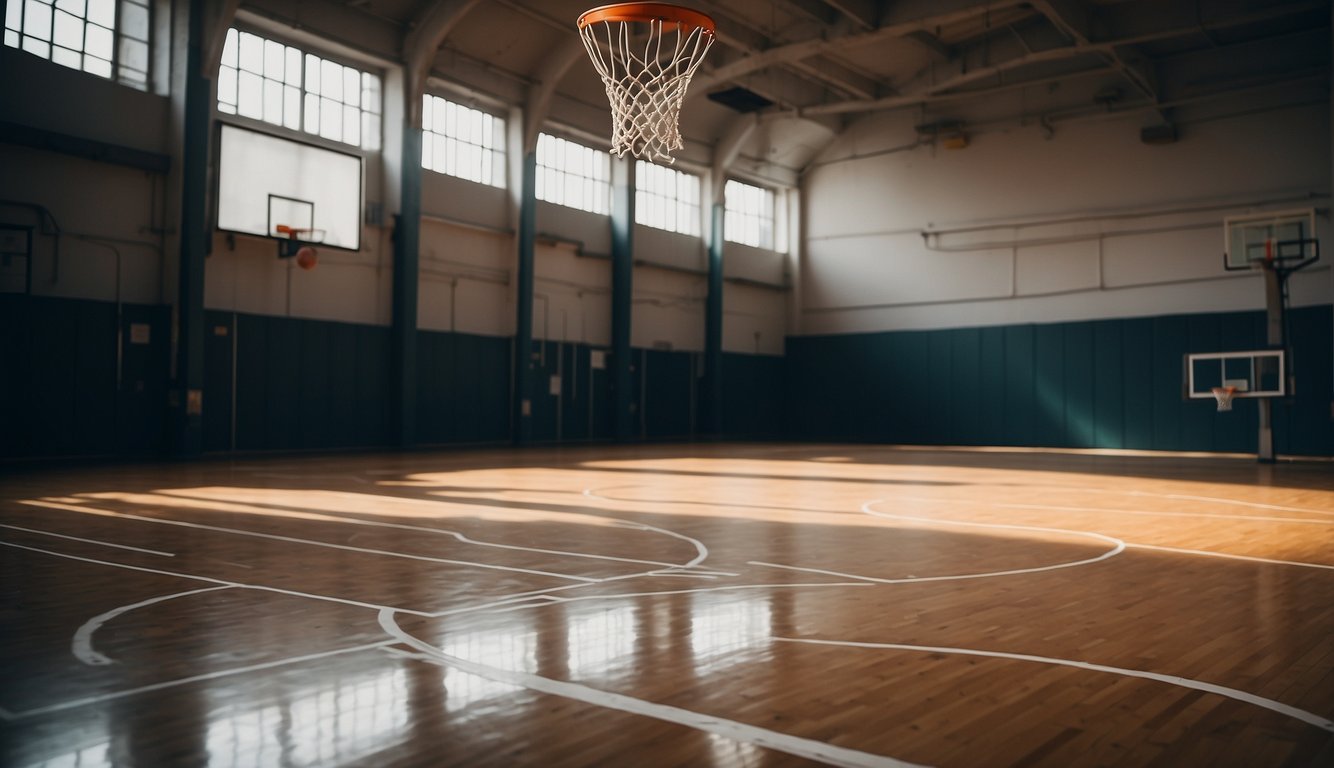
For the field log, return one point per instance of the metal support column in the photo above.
(1274, 337)
(711, 399)
(407, 239)
(624, 417)
(189, 332)
(522, 416)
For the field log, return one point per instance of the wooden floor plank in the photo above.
(659, 605)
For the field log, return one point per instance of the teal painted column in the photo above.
(522, 411)
(407, 239)
(622, 291)
(187, 393)
(711, 399)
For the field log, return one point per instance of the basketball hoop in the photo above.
(646, 54)
(1224, 397)
(298, 240)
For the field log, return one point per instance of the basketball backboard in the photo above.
(269, 186)
(1255, 373)
(1284, 237)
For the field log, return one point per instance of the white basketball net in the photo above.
(1224, 397)
(646, 88)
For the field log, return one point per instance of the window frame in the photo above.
(499, 158)
(600, 189)
(121, 41)
(738, 215)
(675, 212)
(367, 117)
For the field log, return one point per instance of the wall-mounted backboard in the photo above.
(267, 181)
(1285, 237)
(1255, 373)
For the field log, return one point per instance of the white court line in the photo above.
(733, 588)
(730, 729)
(702, 552)
(462, 538)
(310, 542)
(224, 582)
(89, 541)
(1237, 502)
(1152, 513)
(193, 679)
(82, 644)
(1183, 682)
(1118, 546)
(1229, 556)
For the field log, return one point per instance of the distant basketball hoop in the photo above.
(1224, 397)
(646, 54)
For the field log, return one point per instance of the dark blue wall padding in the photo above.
(752, 396)
(463, 388)
(299, 384)
(1088, 384)
(59, 389)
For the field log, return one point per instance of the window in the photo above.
(108, 38)
(462, 142)
(279, 84)
(574, 175)
(750, 215)
(666, 198)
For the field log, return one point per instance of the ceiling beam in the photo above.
(863, 13)
(1116, 53)
(1074, 19)
(894, 27)
(931, 43)
(428, 31)
(812, 10)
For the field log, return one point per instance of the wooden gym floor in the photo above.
(681, 605)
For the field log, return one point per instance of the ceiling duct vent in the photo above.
(740, 99)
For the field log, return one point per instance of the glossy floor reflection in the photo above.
(722, 605)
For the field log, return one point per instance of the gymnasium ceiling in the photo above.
(827, 63)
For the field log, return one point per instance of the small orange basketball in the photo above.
(307, 257)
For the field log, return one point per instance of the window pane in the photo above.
(98, 42)
(352, 125)
(102, 12)
(13, 17)
(312, 112)
(68, 31)
(292, 108)
(37, 47)
(229, 49)
(133, 55)
(66, 57)
(227, 85)
(312, 74)
(134, 21)
(97, 66)
(250, 96)
(331, 80)
(251, 53)
(273, 102)
(351, 87)
(37, 21)
(292, 70)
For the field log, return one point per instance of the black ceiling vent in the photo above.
(741, 99)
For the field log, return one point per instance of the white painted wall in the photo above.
(1089, 223)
